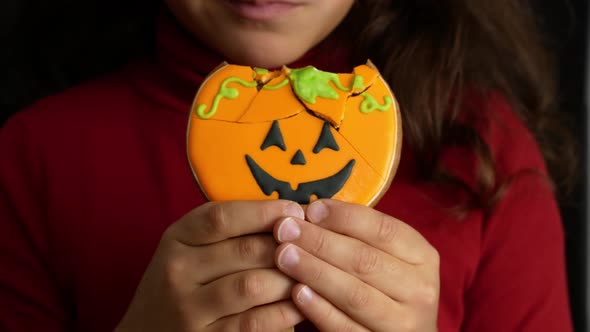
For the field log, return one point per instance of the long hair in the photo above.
(459, 45)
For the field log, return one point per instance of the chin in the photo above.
(265, 62)
(267, 55)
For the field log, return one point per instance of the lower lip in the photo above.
(261, 11)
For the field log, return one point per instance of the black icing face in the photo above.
(321, 188)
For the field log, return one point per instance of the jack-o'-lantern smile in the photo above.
(321, 188)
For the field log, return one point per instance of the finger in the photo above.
(359, 301)
(371, 265)
(231, 256)
(216, 221)
(322, 313)
(372, 227)
(280, 316)
(241, 291)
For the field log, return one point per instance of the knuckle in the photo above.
(319, 243)
(330, 315)
(428, 294)
(366, 261)
(249, 285)
(358, 298)
(169, 234)
(347, 219)
(392, 268)
(174, 279)
(250, 323)
(434, 256)
(283, 314)
(248, 248)
(346, 326)
(174, 268)
(429, 257)
(217, 219)
(188, 323)
(315, 275)
(262, 211)
(410, 323)
(387, 229)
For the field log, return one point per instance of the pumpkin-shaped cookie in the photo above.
(296, 134)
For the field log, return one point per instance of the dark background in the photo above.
(47, 46)
(567, 30)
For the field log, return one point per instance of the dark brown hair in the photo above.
(460, 44)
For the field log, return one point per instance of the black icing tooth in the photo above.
(274, 138)
(326, 140)
(298, 158)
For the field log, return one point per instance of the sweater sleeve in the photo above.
(29, 297)
(520, 283)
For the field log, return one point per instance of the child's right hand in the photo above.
(214, 271)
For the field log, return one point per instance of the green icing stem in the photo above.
(276, 87)
(310, 83)
(370, 104)
(224, 92)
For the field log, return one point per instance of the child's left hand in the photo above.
(359, 269)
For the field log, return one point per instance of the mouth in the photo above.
(261, 10)
(322, 188)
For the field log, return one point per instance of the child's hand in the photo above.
(214, 271)
(359, 269)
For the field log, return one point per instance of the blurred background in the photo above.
(47, 46)
(566, 25)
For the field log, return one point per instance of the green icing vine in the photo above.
(370, 104)
(276, 87)
(261, 71)
(358, 83)
(224, 92)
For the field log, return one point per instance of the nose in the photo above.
(298, 158)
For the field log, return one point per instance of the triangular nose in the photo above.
(298, 158)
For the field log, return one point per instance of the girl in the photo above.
(103, 228)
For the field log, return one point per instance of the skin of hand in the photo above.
(359, 269)
(214, 270)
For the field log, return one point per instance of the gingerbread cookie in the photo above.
(297, 134)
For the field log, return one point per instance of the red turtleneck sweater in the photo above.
(90, 178)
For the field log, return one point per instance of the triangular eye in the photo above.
(326, 140)
(274, 138)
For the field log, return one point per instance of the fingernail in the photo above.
(294, 210)
(288, 230)
(317, 212)
(289, 257)
(304, 295)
